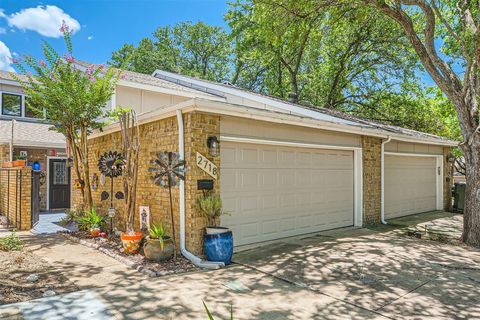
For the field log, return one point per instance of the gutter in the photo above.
(382, 178)
(187, 254)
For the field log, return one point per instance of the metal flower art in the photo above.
(167, 169)
(111, 164)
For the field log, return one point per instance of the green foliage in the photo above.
(210, 204)
(352, 59)
(91, 219)
(11, 242)
(71, 216)
(157, 231)
(209, 314)
(196, 50)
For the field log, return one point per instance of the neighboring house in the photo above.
(23, 135)
(284, 169)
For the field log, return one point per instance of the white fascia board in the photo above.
(223, 108)
(38, 144)
(181, 93)
(9, 82)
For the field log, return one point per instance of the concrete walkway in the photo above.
(342, 274)
(47, 223)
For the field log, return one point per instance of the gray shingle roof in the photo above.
(30, 134)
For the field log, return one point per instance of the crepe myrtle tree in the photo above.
(72, 98)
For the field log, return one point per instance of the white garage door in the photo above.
(410, 185)
(274, 192)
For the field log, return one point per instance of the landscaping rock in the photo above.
(49, 293)
(32, 278)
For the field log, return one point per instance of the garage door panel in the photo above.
(288, 191)
(410, 185)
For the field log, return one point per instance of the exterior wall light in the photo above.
(213, 146)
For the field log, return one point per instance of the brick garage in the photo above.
(284, 169)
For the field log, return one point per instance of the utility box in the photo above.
(459, 196)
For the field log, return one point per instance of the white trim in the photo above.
(48, 178)
(439, 167)
(285, 143)
(357, 166)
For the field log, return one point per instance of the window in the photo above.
(11, 104)
(29, 111)
(60, 173)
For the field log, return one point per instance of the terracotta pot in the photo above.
(131, 242)
(19, 163)
(94, 232)
(153, 250)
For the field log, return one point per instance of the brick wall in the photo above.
(371, 179)
(4, 152)
(158, 136)
(15, 196)
(40, 155)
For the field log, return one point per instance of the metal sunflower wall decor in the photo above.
(110, 164)
(168, 169)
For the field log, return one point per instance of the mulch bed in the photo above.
(112, 246)
(16, 266)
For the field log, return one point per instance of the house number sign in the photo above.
(207, 165)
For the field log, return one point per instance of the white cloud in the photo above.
(2, 15)
(3, 30)
(5, 58)
(46, 20)
(89, 37)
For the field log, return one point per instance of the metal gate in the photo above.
(35, 197)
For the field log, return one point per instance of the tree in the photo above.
(445, 37)
(73, 99)
(196, 49)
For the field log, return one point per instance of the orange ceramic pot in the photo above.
(131, 242)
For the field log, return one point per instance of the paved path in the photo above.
(47, 223)
(347, 274)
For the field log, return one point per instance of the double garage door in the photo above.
(273, 192)
(410, 185)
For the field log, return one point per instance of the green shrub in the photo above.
(71, 216)
(91, 219)
(11, 242)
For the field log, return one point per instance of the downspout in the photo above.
(187, 254)
(382, 177)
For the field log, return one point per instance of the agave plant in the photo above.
(157, 231)
(168, 169)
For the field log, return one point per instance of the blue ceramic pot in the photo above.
(219, 247)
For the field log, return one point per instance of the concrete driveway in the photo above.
(343, 274)
(382, 271)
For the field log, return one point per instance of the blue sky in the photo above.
(101, 26)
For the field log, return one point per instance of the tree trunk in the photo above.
(83, 159)
(471, 213)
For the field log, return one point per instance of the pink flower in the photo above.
(64, 28)
(122, 76)
(41, 63)
(15, 61)
(70, 59)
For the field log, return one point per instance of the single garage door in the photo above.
(273, 192)
(410, 185)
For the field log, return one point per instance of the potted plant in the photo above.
(217, 241)
(158, 246)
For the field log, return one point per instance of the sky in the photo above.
(99, 26)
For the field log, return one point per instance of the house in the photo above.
(283, 169)
(24, 135)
